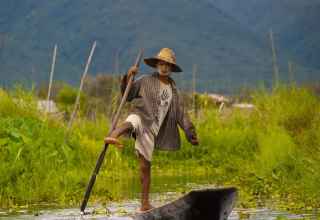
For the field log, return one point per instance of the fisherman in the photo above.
(157, 111)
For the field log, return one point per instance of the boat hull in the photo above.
(207, 204)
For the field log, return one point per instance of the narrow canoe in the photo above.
(207, 204)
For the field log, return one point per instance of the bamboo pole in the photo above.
(51, 76)
(116, 62)
(291, 72)
(194, 72)
(274, 60)
(77, 102)
(2, 44)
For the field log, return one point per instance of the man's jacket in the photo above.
(145, 98)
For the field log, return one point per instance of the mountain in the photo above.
(228, 53)
(294, 23)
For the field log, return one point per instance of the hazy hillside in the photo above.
(228, 54)
(294, 23)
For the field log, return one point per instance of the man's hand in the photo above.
(194, 140)
(192, 137)
(132, 71)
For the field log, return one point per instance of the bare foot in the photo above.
(146, 207)
(114, 141)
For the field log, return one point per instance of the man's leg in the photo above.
(145, 178)
(126, 127)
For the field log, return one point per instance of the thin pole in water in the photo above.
(77, 102)
(291, 72)
(194, 92)
(274, 60)
(51, 76)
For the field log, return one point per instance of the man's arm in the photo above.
(135, 87)
(186, 124)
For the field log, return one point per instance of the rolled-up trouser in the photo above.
(144, 137)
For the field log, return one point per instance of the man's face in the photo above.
(164, 68)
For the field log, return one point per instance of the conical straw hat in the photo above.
(166, 55)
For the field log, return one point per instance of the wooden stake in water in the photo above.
(77, 102)
(181, 83)
(194, 72)
(51, 76)
(116, 63)
(274, 60)
(291, 73)
(2, 44)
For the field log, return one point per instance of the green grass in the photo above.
(269, 153)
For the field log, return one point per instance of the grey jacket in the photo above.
(144, 96)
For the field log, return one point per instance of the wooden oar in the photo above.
(104, 150)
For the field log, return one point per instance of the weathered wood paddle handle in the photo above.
(104, 150)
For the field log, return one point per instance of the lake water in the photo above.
(164, 190)
(122, 211)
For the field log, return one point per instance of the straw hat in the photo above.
(166, 55)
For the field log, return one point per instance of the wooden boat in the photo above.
(207, 204)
